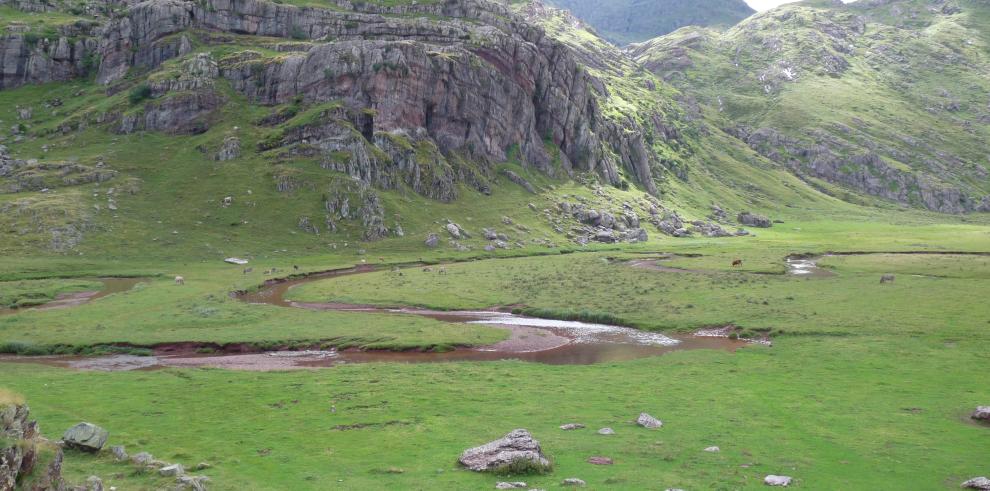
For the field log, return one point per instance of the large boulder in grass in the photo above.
(517, 450)
(86, 437)
(754, 220)
(982, 413)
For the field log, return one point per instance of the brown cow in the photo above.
(737, 262)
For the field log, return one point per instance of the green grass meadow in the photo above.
(867, 386)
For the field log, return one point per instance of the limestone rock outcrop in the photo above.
(24, 453)
(518, 447)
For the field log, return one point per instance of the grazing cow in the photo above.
(887, 278)
(381, 259)
(180, 280)
(737, 262)
(442, 271)
(248, 270)
(295, 267)
(427, 269)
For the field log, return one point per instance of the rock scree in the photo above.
(518, 446)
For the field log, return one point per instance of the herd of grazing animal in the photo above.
(179, 280)
(887, 278)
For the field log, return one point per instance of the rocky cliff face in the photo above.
(27, 460)
(462, 81)
(27, 57)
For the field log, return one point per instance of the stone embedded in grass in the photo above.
(647, 421)
(142, 458)
(597, 460)
(713, 449)
(572, 426)
(195, 483)
(510, 485)
(572, 481)
(606, 431)
(174, 470)
(94, 483)
(981, 483)
(517, 452)
(119, 453)
(86, 437)
(773, 480)
(432, 240)
(982, 413)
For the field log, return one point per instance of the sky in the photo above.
(766, 4)
(769, 4)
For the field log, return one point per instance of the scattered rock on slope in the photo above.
(518, 446)
(230, 149)
(753, 220)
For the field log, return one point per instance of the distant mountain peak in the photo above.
(628, 21)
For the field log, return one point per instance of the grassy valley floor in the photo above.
(867, 386)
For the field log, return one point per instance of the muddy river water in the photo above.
(530, 339)
(65, 300)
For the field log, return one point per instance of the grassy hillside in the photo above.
(888, 99)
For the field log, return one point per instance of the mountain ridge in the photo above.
(628, 21)
(330, 123)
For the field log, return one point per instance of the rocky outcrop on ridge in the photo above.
(470, 77)
(24, 453)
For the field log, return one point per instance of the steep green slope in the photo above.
(886, 98)
(629, 21)
(198, 134)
